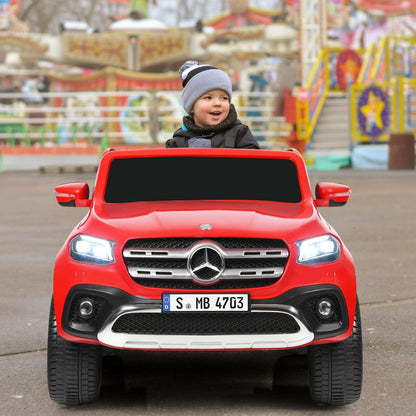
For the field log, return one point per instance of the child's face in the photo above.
(211, 108)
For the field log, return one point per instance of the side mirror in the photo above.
(73, 194)
(330, 194)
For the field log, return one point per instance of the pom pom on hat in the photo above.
(198, 79)
(184, 69)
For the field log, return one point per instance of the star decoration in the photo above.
(373, 110)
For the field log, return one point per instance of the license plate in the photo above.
(205, 302)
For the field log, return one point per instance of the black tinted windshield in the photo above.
(202, 178)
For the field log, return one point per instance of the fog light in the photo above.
(325, 308)
(86, 308)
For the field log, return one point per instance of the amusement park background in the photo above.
(332, 78)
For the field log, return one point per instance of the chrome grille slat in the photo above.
(156, 254)
(256, 254)
(250, 273)
(231, 253)
(149, 273)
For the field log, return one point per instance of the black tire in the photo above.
(74, 370)
(335, 370)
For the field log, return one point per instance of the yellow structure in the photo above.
(383, 94)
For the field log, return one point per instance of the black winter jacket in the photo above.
(230, 133)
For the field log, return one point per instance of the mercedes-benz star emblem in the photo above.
(206, 264)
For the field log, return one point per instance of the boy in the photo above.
(212, 119)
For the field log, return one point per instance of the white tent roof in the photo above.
(137, 25)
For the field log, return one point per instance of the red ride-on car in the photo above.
(203, 249)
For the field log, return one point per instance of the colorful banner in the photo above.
(99, 49)
(251, 17)
(162, 47)
(23, 42)
(112, 79)
(386, 7)
(118, 49)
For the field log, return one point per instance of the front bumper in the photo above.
(121, 320)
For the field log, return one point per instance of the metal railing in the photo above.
(107, 118)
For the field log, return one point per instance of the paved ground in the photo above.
(52, 162)
(378, 225)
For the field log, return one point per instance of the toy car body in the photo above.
(203, 249)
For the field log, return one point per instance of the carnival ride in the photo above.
(147, 45)
(357, 96)
(141, 55)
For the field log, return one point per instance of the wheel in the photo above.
(74, 370)
(335, 370)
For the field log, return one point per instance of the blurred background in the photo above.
(331, 78)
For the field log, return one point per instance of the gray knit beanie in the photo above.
(198, 79)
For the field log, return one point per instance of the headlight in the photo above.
(318, 250)
(92, 249)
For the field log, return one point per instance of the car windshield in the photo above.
(202, 178)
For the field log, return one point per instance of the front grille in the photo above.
(189, 323)
(178, 263)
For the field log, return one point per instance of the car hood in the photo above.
(204, 219)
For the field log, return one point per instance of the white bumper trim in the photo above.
(204, 342)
